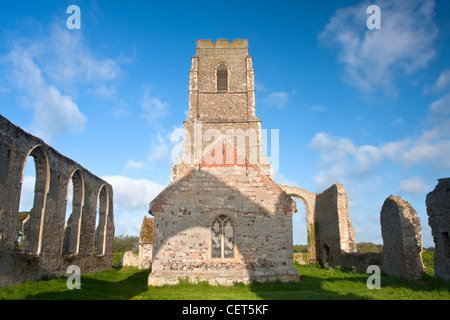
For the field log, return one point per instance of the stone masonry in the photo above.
(438, 210)
(146, 243)
(44, 242)
(330, 231)
(222, 219)
(402, 239)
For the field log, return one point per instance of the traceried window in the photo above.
(222, 238)
(222, 78)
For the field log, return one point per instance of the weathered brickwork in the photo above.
(261, 214)
(222, 219)
(146, 243)
(334, 233)
(438, 210)
(402, 239)
(50, 242)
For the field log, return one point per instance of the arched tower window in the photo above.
(222, 78)
(222, 238)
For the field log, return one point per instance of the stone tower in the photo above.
(221, 109)
(222, 219)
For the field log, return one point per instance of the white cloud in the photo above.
(318, 108)
(441, 107)
(133, 194)
(342, 158)
(281, 179)
(413, 185)
(372, 57)
(67, 57)
(276, 99)
(131, 201)
(134, 165)
(152, 107)
(54, 113)
(48, 68)
(160, 153)
(443, 80)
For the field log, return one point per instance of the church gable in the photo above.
(222, 219)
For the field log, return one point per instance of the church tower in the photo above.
(222, 219)
(222, 109)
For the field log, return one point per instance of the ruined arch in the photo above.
(309, 201)
(102, 214)
(72, 227)
(32, 226)
(42, 252)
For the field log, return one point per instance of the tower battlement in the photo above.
(222, 43)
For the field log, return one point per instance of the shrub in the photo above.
(428, 258)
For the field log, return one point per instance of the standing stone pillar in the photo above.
(402, 239)
(438, 209)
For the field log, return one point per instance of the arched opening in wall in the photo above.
(222, 78)
(325, 254)
(32, 201)
(299, 230)
(222, 238)
(74, 209)
(101, 219)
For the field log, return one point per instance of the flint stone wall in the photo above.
(48, 247)
(145, 255)
(438, 210)
(129, 259)
(334, 230)
(402, 239)
(262, 219)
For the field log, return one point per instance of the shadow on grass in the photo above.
(316, 283)
(328, 284)
(104, 288)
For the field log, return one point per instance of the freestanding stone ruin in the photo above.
(146, 243)
(402, 239)
(438, 210)
(330, 231)
(44, 242)
(222, 219)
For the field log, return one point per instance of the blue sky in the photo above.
(366, 108)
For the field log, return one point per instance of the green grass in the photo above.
(315, 283)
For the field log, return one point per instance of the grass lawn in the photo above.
(315, 283)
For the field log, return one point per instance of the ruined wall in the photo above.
(129, 259)
(48, 246)
(146, 243)
(309, 200)
(334, 231)
(261, 216)
(145, 255)
(359, 261)
(438, 210)
(402, 239)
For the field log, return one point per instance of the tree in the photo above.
(124, 243)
